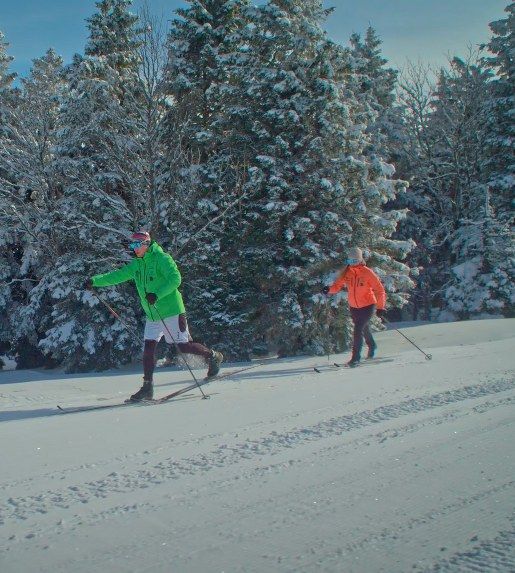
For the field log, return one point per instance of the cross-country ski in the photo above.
(154, 401)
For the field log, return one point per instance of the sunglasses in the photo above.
(353, 261)
(137, 244)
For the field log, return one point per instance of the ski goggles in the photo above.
(137, 244)
(353, 261)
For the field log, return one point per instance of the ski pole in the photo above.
(114, 313)
(428, 356)
(327, 327)
(204, 396)
(118, 317)
(327, 335)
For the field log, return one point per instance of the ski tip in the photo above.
(316, 370)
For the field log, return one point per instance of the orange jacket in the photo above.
(363, 285)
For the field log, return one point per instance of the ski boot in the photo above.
(146, 392)
(353, 362)
(371, 351)
(214, 363)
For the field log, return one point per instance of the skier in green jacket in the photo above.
(157, 280)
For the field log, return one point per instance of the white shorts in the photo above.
(155, 330)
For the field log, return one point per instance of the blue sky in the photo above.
(425, 30)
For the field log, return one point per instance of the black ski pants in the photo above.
(361, 317)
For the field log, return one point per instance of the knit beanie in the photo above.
(355, 253)
(140, 236)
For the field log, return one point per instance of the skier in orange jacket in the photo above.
(366, 295)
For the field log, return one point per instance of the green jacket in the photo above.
(156, 272)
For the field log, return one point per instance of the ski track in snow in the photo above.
(171, 469)
(251, 493)
(311, 562)
(224, 456)
(489, 556)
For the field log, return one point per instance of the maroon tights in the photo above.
(149, 354)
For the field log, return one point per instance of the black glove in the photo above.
(151, 298)
(88, 285)
(325, 290)
(381, 313)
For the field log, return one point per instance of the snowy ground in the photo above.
(401, 465)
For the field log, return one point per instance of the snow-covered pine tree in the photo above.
(113, 37)
(204, 168)
(7, 256)
(483, 280)
(313, 189)
(31, 188)
(98, 155)
(99, 136)
(448, 130)
(376, 85)
(6, 77)
(501, 140)
(481, 248)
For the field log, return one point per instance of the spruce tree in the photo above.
(6, 77)
(100, 140)
(452, 217)
(204, 167)
(99, 157)
(31, 191)
(501, 157)
(376, 86)
(113, 36)
(7, 240)
(314, 189)
(483, 278)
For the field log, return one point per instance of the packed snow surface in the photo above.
(402, 464)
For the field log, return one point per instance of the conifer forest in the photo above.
(256, 151)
